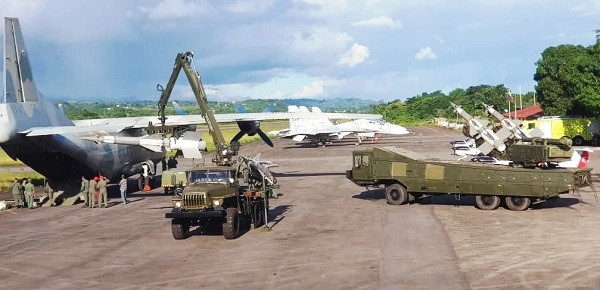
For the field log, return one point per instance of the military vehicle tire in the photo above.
(258, 214)
(180, 229)
(517, 203)
(231, 224)
(396, 194)
(578, 140)
(487, 202)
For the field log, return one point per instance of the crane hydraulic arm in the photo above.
(184, 61)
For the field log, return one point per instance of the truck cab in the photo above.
(362, 165)
(207, 188)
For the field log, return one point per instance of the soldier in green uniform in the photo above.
(103, 193)
(84, 192)
(16, 192)
(29, 193)
(92, 192)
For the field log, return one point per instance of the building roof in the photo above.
(526, 113)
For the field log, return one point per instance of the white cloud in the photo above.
(173, 9)
(321, 39)
(590, 8)
(425, 53)
(356, 55)
(327, 4)
(378, 21)
(313, 90)
(249, 6)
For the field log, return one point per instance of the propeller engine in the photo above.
(251, 128)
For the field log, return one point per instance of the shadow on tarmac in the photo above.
(301, 174)
(278, 213)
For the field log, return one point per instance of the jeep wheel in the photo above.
(231, 225)
(487, 202)
(517, 203)
(180, 229)
(396, 194)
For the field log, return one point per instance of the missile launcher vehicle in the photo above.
(407, 175)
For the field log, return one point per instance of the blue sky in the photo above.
(370, 49)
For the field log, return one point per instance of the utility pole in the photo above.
(597, 35)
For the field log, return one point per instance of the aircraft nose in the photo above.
(8, 129)
(399, 130)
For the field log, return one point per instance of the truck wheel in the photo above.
(396, 194)
(258, 214)
(517, 203)
(577, 140)
(231, 225)
(487, 202)
(180, 229)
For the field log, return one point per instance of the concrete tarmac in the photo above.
(327, 233)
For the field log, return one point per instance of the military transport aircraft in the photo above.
(38, 133)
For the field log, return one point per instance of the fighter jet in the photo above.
(319, 128)
(36, 132)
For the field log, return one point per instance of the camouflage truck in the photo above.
(407, 175)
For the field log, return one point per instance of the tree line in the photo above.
(568, 84)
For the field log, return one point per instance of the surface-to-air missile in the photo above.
(477, 129)
(510, 127)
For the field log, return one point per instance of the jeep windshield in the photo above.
(209, 176)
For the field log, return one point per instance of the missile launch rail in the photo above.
(407, 175)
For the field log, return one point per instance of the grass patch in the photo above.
(7, 179)
(5, 160)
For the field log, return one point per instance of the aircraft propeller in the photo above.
(251, 128)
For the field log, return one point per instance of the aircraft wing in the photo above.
(115, 125)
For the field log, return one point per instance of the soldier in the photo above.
(16, 192)
(163, 163)
(92, 192)
(103, 193)
(84, 191)
(172, 163)
(29, 193)
(123, 188)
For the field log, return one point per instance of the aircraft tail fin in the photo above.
(19, 84)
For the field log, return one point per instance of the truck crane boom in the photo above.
(225, 152)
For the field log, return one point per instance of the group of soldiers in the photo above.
(23, 192)
(94, 191)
